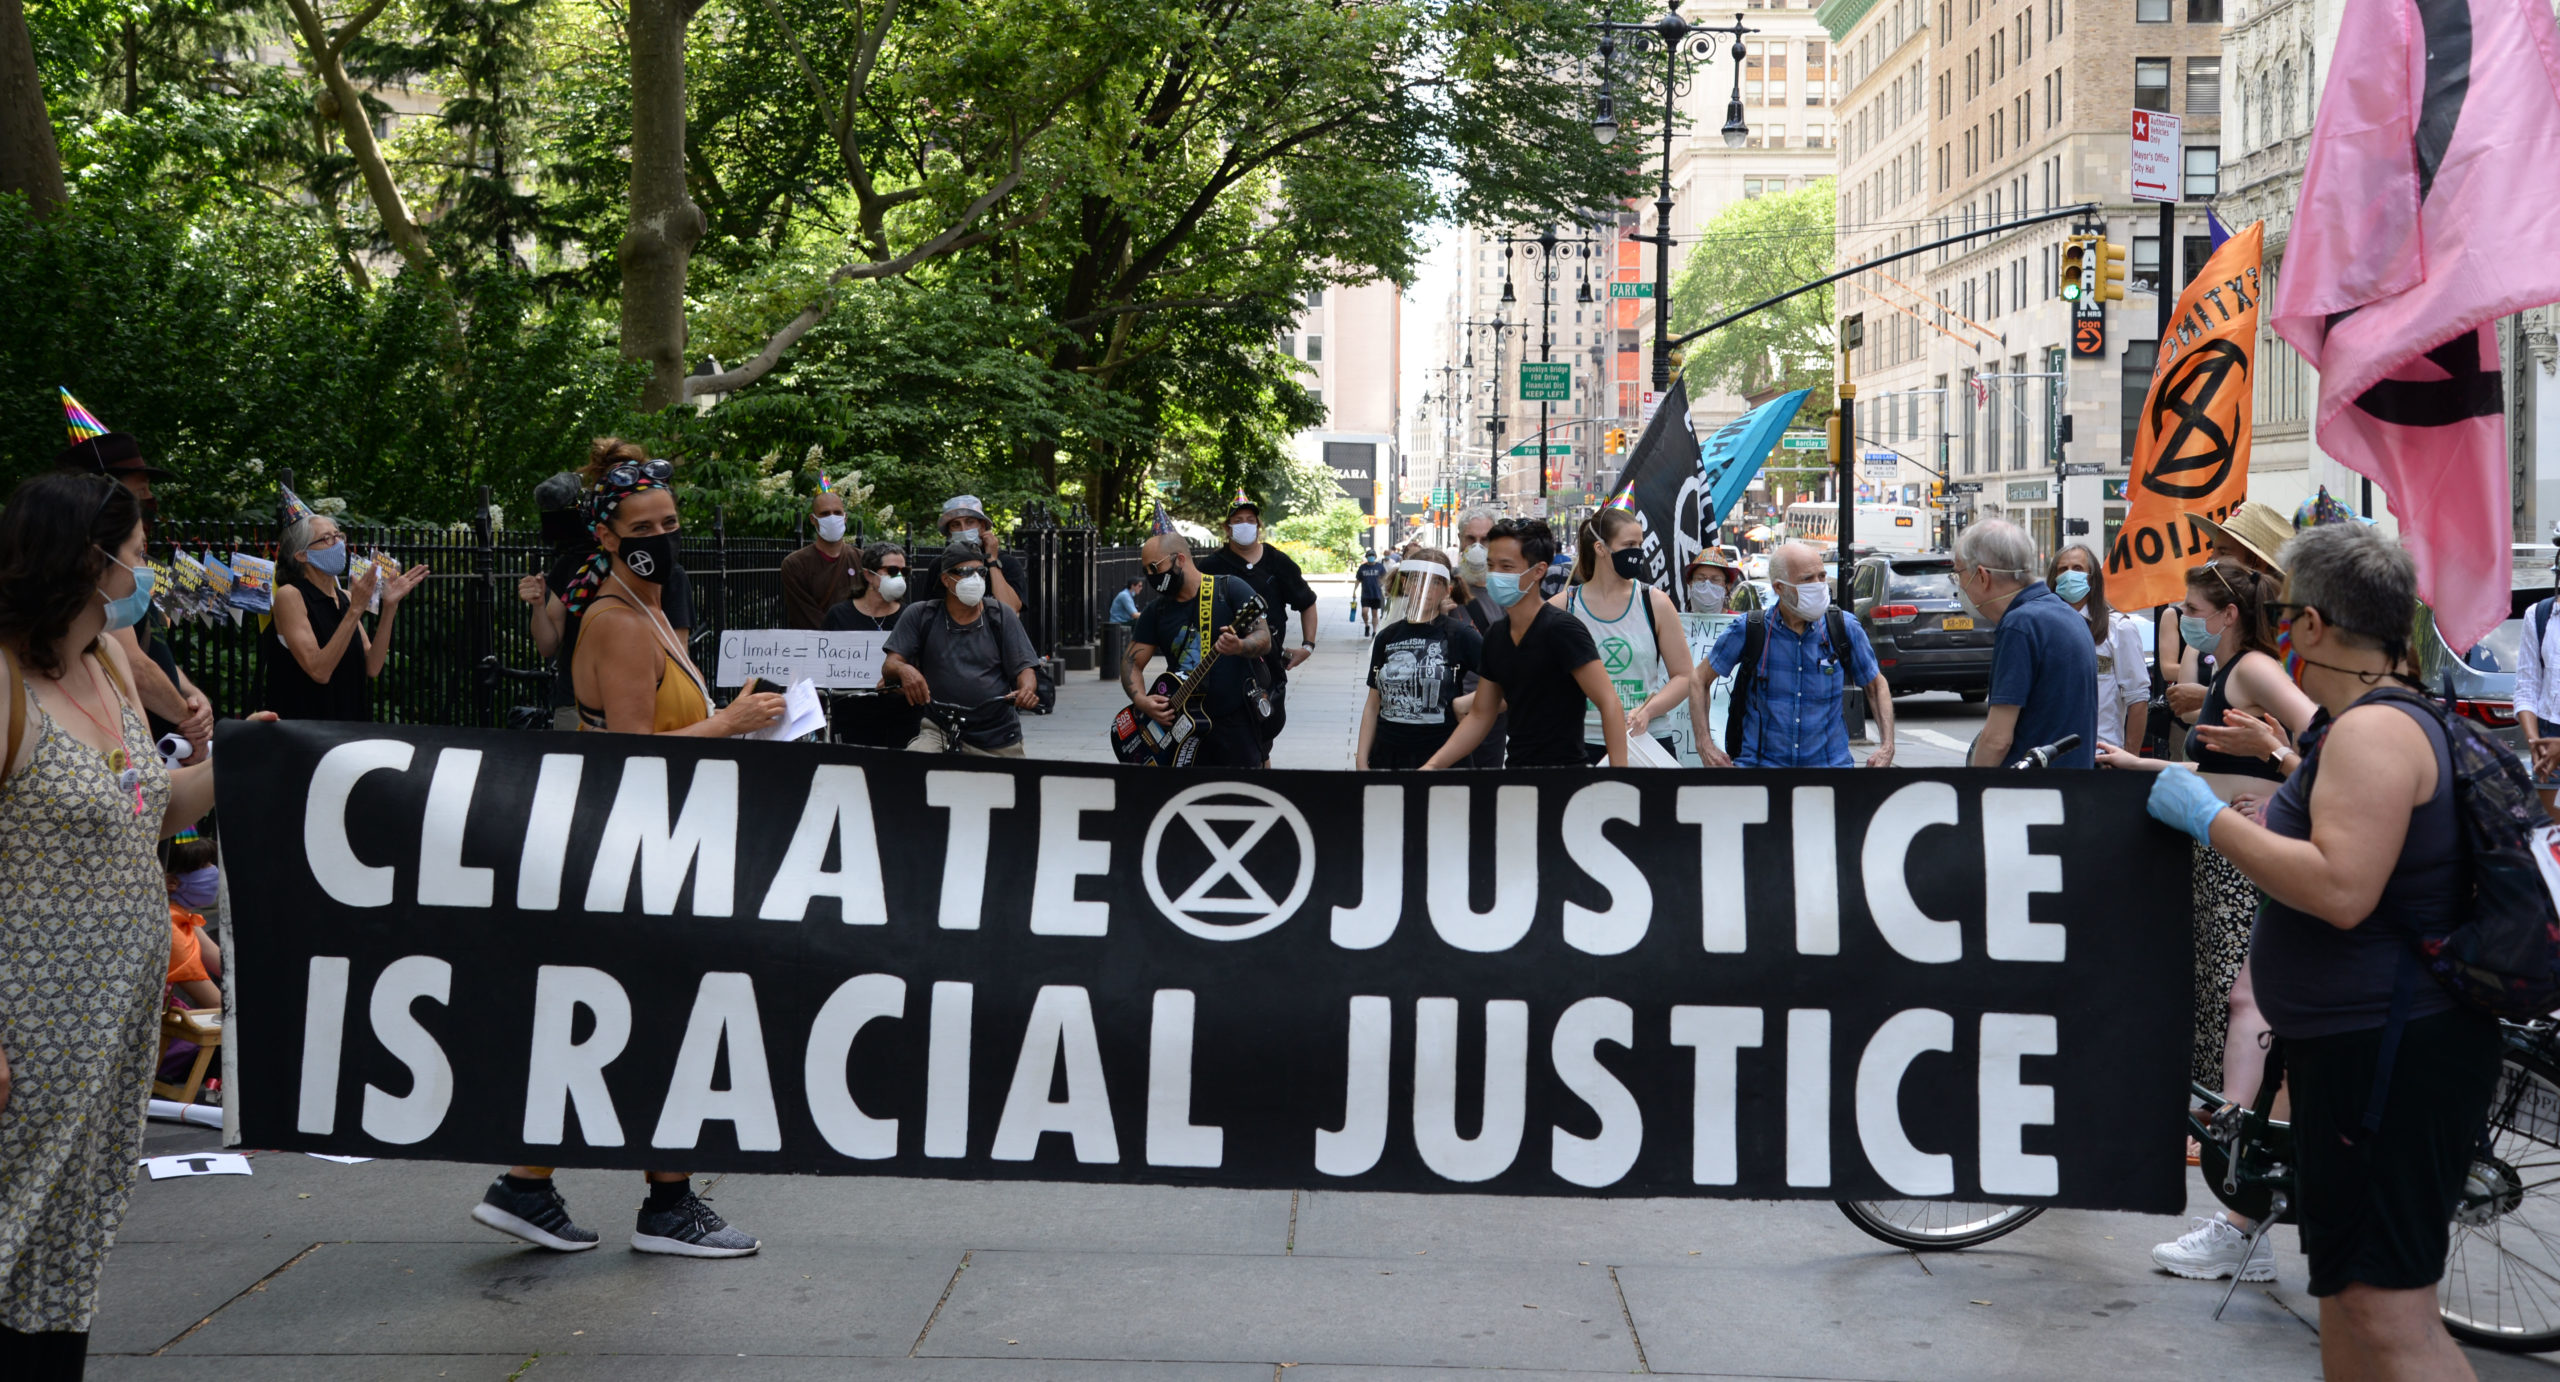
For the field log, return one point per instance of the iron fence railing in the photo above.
(462, 650)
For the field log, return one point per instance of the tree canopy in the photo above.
(1754, 250)
(1044, 251)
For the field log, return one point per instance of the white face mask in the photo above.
(1245, 533)
(971, 589)
(893, 587)
(1807, 601)
(1473, 559)
(831, 527)
(1706, 597)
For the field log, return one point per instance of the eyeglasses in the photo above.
(629, 475)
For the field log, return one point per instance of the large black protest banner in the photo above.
(606, 950)
(1668, 490)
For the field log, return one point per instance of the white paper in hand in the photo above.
(1644, 752)
(800, 713)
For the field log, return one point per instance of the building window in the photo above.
(2204, 173)
(1755, 70)
(2204, 11)
(2145, 269)
(1996, 142)
(1819, 69)
(2150, 11)
(1289, 346)
(2021, 389)
(2151, 84)
(2204, 86)
(1315, 297)
(1750, 189)
(1991, 418)
(1315, 349)
(2195, 249)
(1964, 418)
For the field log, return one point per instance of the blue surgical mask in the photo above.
(1503, 588)
(125, 611)
(328, 561)
(2072, 586)
(197, 888)
(2197, 635)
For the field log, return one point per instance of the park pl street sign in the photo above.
(1552, 449)
(1631, 290)
(2155, 156)
(1543, 381)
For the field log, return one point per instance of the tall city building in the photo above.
(1884, 208)
(2029, 107)
(1350, 340)
(1790, 87)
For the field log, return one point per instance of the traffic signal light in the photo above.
(1937, 489)
(2075, 267)
(2111, 272)
(1617, 440)
(1831, 435)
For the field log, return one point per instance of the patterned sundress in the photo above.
(84, 952)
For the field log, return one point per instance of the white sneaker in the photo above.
(2214, 1250)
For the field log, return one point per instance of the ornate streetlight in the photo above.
(1675, 38)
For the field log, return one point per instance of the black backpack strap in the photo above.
(1746, 678)
(2541, 623)
(1840, 647)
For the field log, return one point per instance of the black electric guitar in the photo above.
(1136, 737)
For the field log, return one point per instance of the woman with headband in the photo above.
(632, 675)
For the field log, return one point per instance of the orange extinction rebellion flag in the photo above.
(2191, 444)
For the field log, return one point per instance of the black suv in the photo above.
(1922, 638)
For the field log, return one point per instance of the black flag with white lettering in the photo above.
(611, 950)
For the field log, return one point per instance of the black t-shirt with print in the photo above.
(1417, 669)
(1171, 626)
(1545, 703)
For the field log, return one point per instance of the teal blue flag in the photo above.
(1734, 454)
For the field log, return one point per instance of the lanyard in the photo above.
(1208, 602)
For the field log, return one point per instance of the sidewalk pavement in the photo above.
(309, 1269)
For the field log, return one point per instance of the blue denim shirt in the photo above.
(1794, 718)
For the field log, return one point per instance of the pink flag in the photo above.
(2429, 209)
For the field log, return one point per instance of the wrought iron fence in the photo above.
(462, 650)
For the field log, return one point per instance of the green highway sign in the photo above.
(1551, 449)
(1804, 441)
(1631, 290)
(1546, 382)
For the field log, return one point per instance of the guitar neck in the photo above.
(1199, 675)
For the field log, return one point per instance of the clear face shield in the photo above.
(1422, 587)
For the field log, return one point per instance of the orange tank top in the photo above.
(681, 700)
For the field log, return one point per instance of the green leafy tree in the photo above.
(1327, 539)
(1754, 250)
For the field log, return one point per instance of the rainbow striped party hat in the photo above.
(1623, 499)
(83, 423)
(823, 486)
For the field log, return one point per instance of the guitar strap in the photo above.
(1208, 607)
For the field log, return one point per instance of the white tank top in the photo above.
(1629, 654)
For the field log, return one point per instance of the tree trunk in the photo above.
(344, 105)
(30, 162)
(665, 224)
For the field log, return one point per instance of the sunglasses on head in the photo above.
(629, 474)
(2215, 566)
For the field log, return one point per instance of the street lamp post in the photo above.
(1546, 247)
(1501, 326)
(1676, 37)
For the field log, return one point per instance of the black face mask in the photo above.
(1163, 582)
(652, 559)
(1628, 562)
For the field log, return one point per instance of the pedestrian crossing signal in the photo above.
(2111, 272)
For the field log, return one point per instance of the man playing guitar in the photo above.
(1189, 611)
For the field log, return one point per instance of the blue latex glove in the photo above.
(2181, 798)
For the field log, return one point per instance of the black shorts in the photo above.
(2379, 1210)
(1369, 601)
(1232, 742)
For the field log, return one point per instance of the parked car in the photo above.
(1923, 639)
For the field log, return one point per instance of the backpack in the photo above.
(2501, 955)
(1746, 672)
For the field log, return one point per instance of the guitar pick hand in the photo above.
(1156, 708)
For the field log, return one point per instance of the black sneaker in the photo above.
(539, 1217)
(688, 1228)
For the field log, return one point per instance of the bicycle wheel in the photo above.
(2501, 1287)
(1936, 1225)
